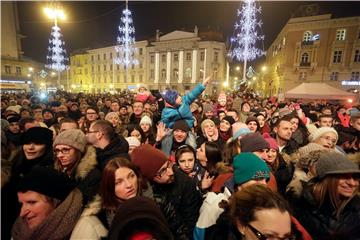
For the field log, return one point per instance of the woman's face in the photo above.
(209, 129)
(272, 154)
(348, 184)
(222, 115)
(270, 223)
(246, 107)
(35, 207)
(66, 155)
(201, 156)
(252, 126)
(224, 126)
(114, 120)
(126, 183)
(136, 133)
(295, 124)
(327, 140)
(145, 127)
(186, 162)
(261, 120)
(33, 150)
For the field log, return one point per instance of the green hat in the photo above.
(248, 166)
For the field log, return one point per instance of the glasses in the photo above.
(63, 151)
(163, 170)
(261, 236)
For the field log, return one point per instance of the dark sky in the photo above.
(94, 24)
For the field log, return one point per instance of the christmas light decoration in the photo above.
(125, 50)
(246, 35)
(56, 58)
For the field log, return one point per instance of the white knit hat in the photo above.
(133, 141)
(146, 120)
(316, 133)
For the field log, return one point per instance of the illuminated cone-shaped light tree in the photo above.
(56, 58)
(246, 35)
(125, 49)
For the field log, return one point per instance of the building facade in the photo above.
(177, 60)
(314, 49)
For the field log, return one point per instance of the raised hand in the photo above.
(208, 78)
(206, 181)
(161, 131)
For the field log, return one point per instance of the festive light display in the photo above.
(56, 58)
(125, 50)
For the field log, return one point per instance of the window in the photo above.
(98, 68)
(111, 55)
(132, 78)
(140, 51)
(175, 73)
(104, 56)
(92, 58)
(105, 79)
(302, 76)
(99, 57)
(305, 58)
(140, 65)
(163, 58)
(117, 54)
(104, 67)
(163, 74)
(152, 59)
(188, 56)
(355, 76)
(340, 34)
(357, 56)
(307, 36)
(111, 67)
(152, 73)
(118, 67)
(216, 56)
(92, 69)
(337, 57)
(202, 56)
(140, 78)
(188, 72)
(18, 71)
(7, 69)
(176, 57)
(334, 76)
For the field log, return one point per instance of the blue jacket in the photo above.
(170, 115)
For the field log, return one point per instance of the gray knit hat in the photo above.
(72, 137)
(335, 163)
(316, 133)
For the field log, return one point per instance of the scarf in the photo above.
(58, 225)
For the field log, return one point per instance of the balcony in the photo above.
(305, 64)
(307, 43)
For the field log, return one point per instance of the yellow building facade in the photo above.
(314, 49)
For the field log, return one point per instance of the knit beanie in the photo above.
(39, 135)
(46, 181)
(252, 119)
(206, 121)
(239, 129)
(316, 133)
(229, 119)
(248, 166)
(137, 218)
(15, 108)
(335, 163)
(309, 148)
(13, 118)
(146, 120)
(272, 142)
(253, 142)
(133, 141)
(170, 96)
(72, 137)
(149, 160)
(48, 110)
(182, 125)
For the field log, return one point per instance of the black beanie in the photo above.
(47, 181)
(229, 119)
(253, 142)
(182, 125)
(38, 135)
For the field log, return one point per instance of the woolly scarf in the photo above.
(57, 226)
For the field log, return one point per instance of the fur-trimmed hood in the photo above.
(93, 207)
(87, 163)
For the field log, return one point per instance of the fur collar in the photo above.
(93, 207)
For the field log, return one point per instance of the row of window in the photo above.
(17, 70)
(104, 56)
(337, 57)
(188, 57)
(175, 73)
(340, 35)
(131, 79)
(334, 76)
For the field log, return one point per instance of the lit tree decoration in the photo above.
(125, 41)
(246, 35)
(56, 58)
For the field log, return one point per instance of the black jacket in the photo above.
(118, 147)
(180, 202)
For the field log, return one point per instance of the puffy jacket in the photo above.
(170, 115)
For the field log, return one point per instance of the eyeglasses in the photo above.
(63, 151)
(261, 236)
(163, 170)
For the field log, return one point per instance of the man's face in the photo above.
(14, 127)
(108, 103)
(91, 135)
(138, 108)
(147, 107)
(68, 125)
(115, 107)
(165, 174)
(326, 122)
(262, 154)
(47, 115)
(179, 135)
(284, 130)
(209, 114)
(356, 124)
(123, 111)
(37, 111)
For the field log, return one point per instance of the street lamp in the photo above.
(54, 13)
(263, 68)
(31, 69)
(237, 68)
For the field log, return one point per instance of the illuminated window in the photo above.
(334, 76)
(305, 58)
(307, 36)
(7, 69)
(340, 34)
(163, 74)
(357, 56)
(337, 57)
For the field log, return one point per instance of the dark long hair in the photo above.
(213, 155)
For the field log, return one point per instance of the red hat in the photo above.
(272, 142)
(149, 160)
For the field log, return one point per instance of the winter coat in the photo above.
(86, 174)
(89, 227)
(290, 147)
(320, 221)
(283, 174)
(171, 114)
(180, 203)
(167, 142)
(118, 147)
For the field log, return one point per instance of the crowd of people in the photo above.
(148, 165)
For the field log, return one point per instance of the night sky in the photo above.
(94, 24)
